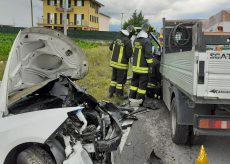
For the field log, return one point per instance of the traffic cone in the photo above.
(202, 158)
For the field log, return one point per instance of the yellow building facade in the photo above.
(82, 14)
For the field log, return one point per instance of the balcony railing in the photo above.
(61, 9)
(44, 22)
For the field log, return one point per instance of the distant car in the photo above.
(45, 118)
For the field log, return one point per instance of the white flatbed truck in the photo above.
(195, 68)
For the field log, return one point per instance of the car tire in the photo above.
(35, 155)
(179, 133)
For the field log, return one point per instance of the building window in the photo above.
(63, 5)
(52, 2)
(92, 5)
(79, 3)
(51, 18)
(93, 19)
(96, 10)
(78, 18)
(69, 3)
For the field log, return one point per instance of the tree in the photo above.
(137, 20)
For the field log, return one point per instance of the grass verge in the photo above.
(98, 79)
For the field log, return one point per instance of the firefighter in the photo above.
(121, 49)
(154, 84)
(142, 63)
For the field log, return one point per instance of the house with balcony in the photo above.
(81, 14)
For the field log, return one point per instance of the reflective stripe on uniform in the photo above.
(118, 55)
(137, 68)
(118, 65)
(150, 85)
(141, 91)
(140, 69)
(121, 54)
(119, 86)
(133, 88)
(113, 83)
(149, 61)
(139, 56)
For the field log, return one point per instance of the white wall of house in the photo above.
(225, 25)
(104, 22)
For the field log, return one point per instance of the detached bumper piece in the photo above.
(212, 125)
(114, 138)
(108, 145)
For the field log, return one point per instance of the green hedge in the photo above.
(94, 35)
(9, 29)
(76, 34)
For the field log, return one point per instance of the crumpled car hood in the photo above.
(39, 54)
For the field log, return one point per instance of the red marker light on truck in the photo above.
(213, 124)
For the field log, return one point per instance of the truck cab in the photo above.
(195, 68)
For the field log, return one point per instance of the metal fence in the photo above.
(9, 29)
(76, 34)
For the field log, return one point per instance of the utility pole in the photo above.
(65, 5)
(122, 16)
(32, 13)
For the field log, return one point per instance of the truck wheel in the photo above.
(179, 132)
(35, 155)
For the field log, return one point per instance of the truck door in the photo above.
(214, 72)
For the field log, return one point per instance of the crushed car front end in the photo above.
(45, 116)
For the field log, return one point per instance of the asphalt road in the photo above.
(152, 132)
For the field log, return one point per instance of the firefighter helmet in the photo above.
(131, 29)
(147, 28)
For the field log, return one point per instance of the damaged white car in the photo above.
(44, 117)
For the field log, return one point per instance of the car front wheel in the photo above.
(35, 155)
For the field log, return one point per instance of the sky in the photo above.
(17, 12)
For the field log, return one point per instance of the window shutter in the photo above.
(83, 2)
(55, 2)
(82, 16)
(69, 3)
(75, 19)
(48, 2)
(60, 18)
(55, 18)
(61, 3)
(48, 18)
